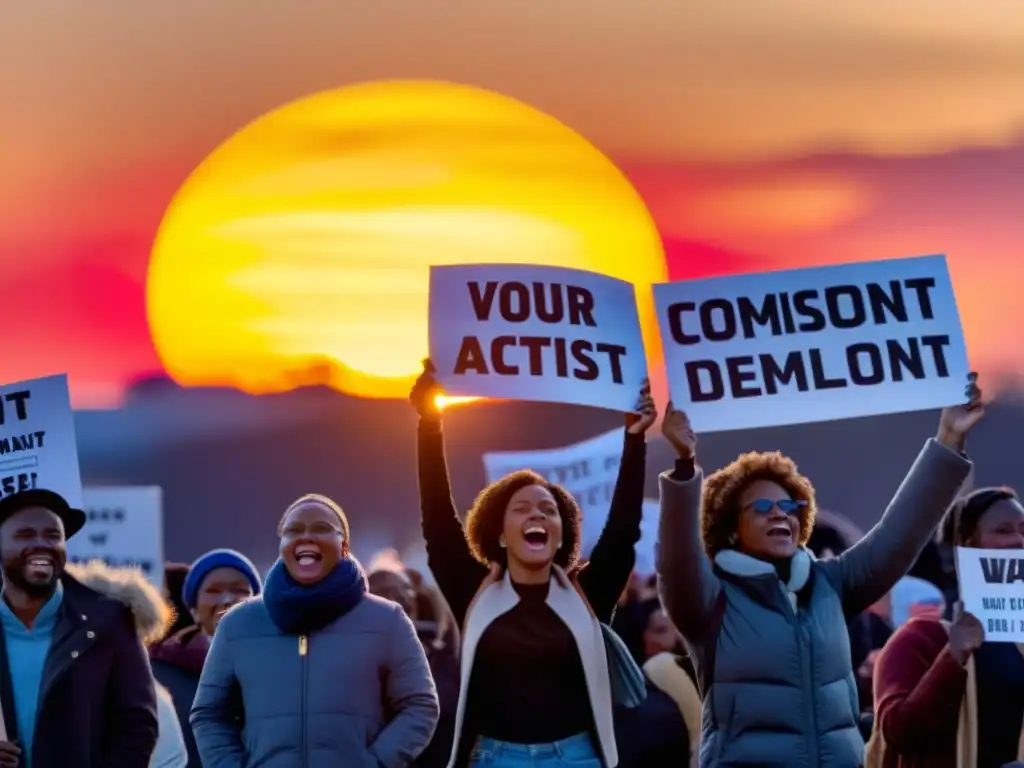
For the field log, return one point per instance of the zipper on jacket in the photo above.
(303, 653)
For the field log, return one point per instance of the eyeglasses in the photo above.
(787, 506)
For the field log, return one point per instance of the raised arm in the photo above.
(457, 572)
(686, 582)
(614, 554)
(870, 568)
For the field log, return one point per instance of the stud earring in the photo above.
(501, 542)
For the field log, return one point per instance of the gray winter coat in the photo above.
(774, 659)
(357, 693)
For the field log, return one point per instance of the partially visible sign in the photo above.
(527, 332)
(124, 528)
(37, 439)
(992, 588)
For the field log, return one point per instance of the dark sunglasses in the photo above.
(788, 506)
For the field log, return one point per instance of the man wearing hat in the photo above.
(75, 684)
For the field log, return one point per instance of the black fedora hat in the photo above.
(72, 518)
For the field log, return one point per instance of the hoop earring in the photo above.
(501, 542)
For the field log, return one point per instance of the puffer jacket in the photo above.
(356, 693)
(152, 618)
(774, 659)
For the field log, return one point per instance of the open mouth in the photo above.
(780, 532)
(536, 537)
(307, 556)
(40, 565)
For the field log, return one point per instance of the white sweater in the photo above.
(170, 744)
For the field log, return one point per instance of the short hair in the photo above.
(961, 520)
(486, 518)
(316, 498)
(720, 502)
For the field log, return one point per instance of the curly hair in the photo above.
(720, 503)
(486, 518)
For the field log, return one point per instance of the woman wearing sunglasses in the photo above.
(764, 621)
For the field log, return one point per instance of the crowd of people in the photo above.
(746, 648)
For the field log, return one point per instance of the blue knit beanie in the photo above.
(217, 558)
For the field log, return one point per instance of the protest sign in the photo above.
(810, 345)
(37, 439)
(588, 470)
(992, 588)
(524, 332)
(125, 527)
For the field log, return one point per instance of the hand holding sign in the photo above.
(680, 435)
(956, 421)
(640, 420)
(424, 393)
(966, 634)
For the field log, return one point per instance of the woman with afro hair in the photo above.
(535, 688)
(765, 623)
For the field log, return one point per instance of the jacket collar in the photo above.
(745, 567)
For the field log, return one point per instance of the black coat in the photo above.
(97, 702)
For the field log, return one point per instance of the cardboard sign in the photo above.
(814, 344)
(125, 528)
(588, 470)
(37, 439)
(525, 332)
(992, 588)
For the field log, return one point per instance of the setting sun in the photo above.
(299, 250)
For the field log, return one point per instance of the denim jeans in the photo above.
(576, 752)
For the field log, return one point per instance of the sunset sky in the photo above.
(761, 135)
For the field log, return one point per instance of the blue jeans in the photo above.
(576, 751)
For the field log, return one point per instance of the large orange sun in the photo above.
(298, 252)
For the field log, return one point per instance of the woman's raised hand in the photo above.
(956, 421)
(677, 430)
(640, 420)
(425, 391)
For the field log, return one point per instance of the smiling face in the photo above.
(1000, 527)
(312, 541)
(532, 527)
(769, 525)
(220, 589)
(32, 547)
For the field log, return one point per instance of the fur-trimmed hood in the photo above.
(129, 586)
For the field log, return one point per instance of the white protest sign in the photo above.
(125, 527)
(992, 588)
(524, 332)
(816, 344)
(37, 439)
(588, 470)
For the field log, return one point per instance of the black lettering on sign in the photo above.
(804, 311)
(1002, 570)
(864, 364)
(579, 359)
(106, 515)
(995, 626)
(98, 539)
(993, 603)
(17, 443)
(19, 402)
(547, 302)
(146, 566)
(23, 481)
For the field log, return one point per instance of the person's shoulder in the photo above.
(925, 634)
(244, 618)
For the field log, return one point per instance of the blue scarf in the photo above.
(298, 609)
